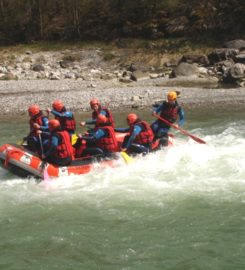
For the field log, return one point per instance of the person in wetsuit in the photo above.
(37, 121)
(140, 135)
(98, 110)
(65, 117)
(171, 111)
(57, 149)
(103, 141)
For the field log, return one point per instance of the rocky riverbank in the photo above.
(120, 77)
(16, 96)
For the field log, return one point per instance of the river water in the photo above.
(181, 208)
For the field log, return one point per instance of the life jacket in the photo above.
(64, 148)
(145, 136)
(68, 124)
(38, 119)
(108, 115)
(170, 111)
(108, 143)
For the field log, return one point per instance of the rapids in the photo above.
(180, 208)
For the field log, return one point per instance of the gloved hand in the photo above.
(36, 126)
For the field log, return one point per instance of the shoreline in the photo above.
(17, 96)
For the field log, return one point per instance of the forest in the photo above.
(28, 21)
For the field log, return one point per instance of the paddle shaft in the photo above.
(41, 143)
(43, 164)
(126, 157)
(180, 129)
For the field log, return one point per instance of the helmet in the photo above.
(58, 105)
(34, 110)
(94, 102)
(101, 119)
(131, 118)
(172, 95)
(53, 124)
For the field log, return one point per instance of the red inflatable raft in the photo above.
(24, 163)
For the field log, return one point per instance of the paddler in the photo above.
(37, 121)
(102, 142)
(98, 110)
(171, 111)
(65, 117)
(140, 135)
(58, 148)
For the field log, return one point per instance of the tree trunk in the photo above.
(2, 8)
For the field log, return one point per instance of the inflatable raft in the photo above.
(24, 163)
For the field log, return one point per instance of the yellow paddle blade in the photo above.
(22, 142)
(126, 157)
(74, 138)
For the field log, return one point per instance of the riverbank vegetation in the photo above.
(124, 40)
(33, 21)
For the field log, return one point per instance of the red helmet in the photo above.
(101, 119)
(53, 124)
(94, 102)
(131, 118)
(58, 105)
(34, 110)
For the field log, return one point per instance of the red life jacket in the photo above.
(38, 119)
(109, 142)
(68, 124)
(108, 115)
(145, 136)
(64, 149)
(170, 111)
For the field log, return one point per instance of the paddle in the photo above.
(41, 143)
(126, 157)
(21, 142)
(74, 138)
(180, 129)
(43, 166)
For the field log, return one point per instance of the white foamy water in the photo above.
(180, 207)
(215, 169)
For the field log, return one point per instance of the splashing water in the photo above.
(183, 205)
(187, 167)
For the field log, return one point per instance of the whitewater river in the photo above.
(181, 208)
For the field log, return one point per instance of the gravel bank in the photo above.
(16, 96)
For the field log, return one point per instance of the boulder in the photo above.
(240, 58)
(37, 67)
(185, 69)
(236, 44)
(195, 58)
(235, 73)
(139, 75)
(223, 66)
(222, 54)
(66, 64)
